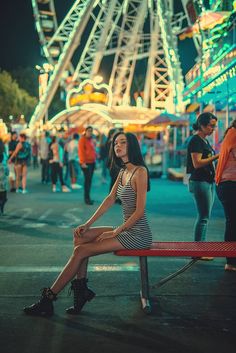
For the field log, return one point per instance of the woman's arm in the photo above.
(140, 180)
(198, 162)
(15, 152)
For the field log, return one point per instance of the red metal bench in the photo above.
(194, 250)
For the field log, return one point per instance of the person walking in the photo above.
(73, 159)
(56, 153)
(226, 187)
(131, 187)
(35, 149)
(200, 158)
(87, 158)
(22, 155)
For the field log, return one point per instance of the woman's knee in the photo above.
(80, 251)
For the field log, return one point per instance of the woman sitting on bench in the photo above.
(130, 187)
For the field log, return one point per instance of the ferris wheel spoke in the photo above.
(99, 38)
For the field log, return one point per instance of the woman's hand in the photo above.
(78, 233)
(80, 230)
(106, 235)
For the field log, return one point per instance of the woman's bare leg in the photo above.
(82, 252)
(89, 237)
(24, 176)
(18, 175)
(83, 269)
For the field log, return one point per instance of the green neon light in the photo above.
(212, 65)
(220, 79)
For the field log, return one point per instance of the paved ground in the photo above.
(195, 312)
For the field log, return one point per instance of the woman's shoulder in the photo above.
(140, 171)
(195, 138)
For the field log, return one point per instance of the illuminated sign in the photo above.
(205, 75)
(89, 92)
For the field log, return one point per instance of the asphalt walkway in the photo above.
(195, 312)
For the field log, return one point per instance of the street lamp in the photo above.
(44, 72)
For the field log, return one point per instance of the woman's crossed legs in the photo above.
(85, 246)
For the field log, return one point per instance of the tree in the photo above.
(14, 100)
(27, 78)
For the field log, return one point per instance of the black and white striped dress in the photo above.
(139, 236)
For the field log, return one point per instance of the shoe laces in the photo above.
(48, 293)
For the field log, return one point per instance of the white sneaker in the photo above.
(65, 189)
(24, 191)
(18, 191)
(76, 186)
(54, 188)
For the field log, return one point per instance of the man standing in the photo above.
(87, 157)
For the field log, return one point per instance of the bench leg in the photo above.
(144, 293)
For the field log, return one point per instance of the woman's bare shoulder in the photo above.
(141, 172)
(142, 169)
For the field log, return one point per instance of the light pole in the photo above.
(44, 72)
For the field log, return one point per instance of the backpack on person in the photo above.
(24, 153)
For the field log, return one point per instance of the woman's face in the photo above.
(121, 146)
(209, 128)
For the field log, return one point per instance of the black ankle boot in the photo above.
(44, 307)
(82, 294)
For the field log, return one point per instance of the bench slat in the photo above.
(192, 249)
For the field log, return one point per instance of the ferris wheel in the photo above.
(123, 33)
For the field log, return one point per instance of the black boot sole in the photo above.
(38, 314)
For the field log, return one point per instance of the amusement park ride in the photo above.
(122, 36)
(125, 31)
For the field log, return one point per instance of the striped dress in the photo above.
(139, 236)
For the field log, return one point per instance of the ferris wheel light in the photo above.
(47, 67)
(37, 67)
(98, 79)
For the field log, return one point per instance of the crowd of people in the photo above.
(64, 161)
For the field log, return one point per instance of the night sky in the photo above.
(19, 40)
